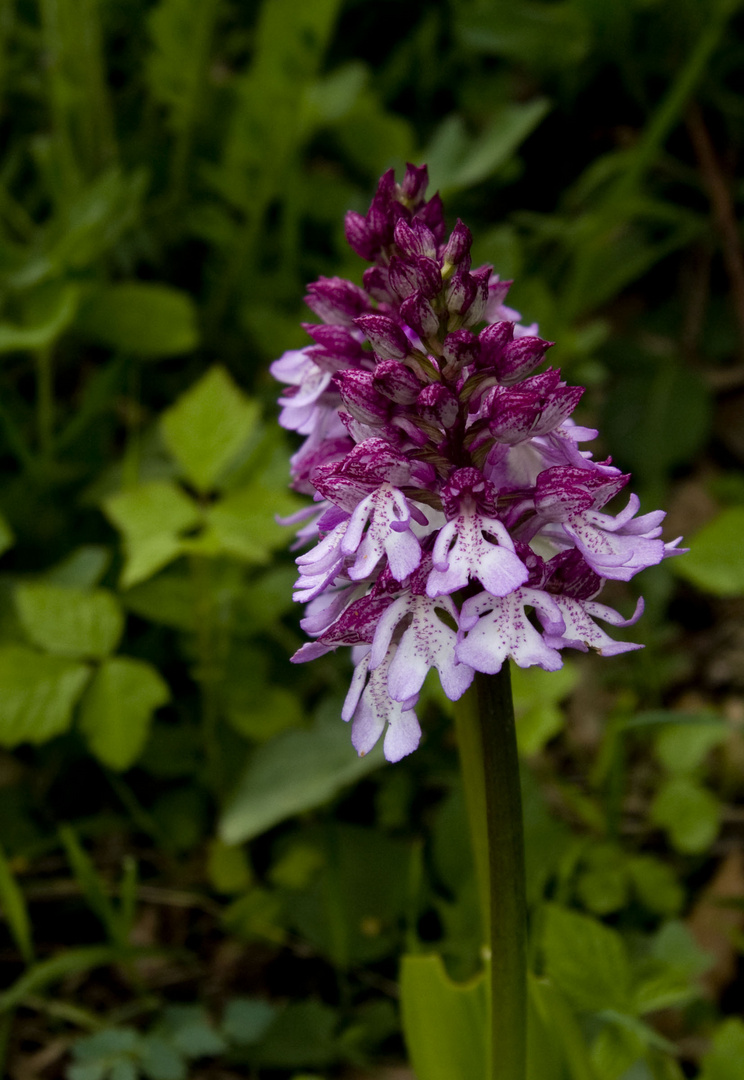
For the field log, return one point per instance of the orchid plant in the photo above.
(457, 522)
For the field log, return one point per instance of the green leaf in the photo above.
(91, 885)
(350, 911)
(207, 427)
(296, 771)
(660, 417)
(689, 813)
(587, 960)
(536, 704)
(684, 749)
(117, 708)
(723, 1060)
(190, 1031)
(246, 1020)
(444, 1022)
(140, 318)
(261, 716)
(45, 332)
(15, 911)
(244, 522)
(37, 694)
(301, 1035)
(656, 885)
(227, 868)
(158, 1060)
(715, 562)
(456, 161)
(151, 516)
(181, 35)
(69, 621)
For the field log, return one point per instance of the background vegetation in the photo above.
(198, 877)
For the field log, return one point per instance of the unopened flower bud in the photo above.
(420, 315)
(458, 245)
(461, 348)
(438, 405)
(385, 336)
(396, 382)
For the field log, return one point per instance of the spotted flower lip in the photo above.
(459, 522)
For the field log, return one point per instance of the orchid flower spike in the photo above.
(457, 523)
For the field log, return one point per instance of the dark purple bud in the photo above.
(360, 235)
(432, 215)
(420, 315)
(458, 245)
(414, 182)
(385, 336)
(371, 463)
(396, 382)
(570, 575)
(336, 345)
(377, 283)
(438, 405)
(460, 292)
(336, 301)
(477, 310)
(415, 239)
(361, 398)
(562, 491)
(521, 357)
(461, 348)
(429, 277)
(494, 339)
(403, 276)
(534, 407)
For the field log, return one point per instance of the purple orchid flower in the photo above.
(458, 522)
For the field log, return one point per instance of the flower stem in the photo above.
(490, 767)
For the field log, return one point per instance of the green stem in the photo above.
(490, 767)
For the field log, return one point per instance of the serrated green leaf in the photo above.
(587, 960)
(37, 694)
(117, 709)
(207, 426)
(139, 318)
(68, 621)
(715, 562)
(152, 518)
(244, 522)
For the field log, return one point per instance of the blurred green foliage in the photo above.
(174, 172)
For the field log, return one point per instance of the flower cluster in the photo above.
(456, 521)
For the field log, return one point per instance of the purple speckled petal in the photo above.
(583, 633)
(500, 628)
(370, 708)
(428, 642)
(496, 566)
(388, 533)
